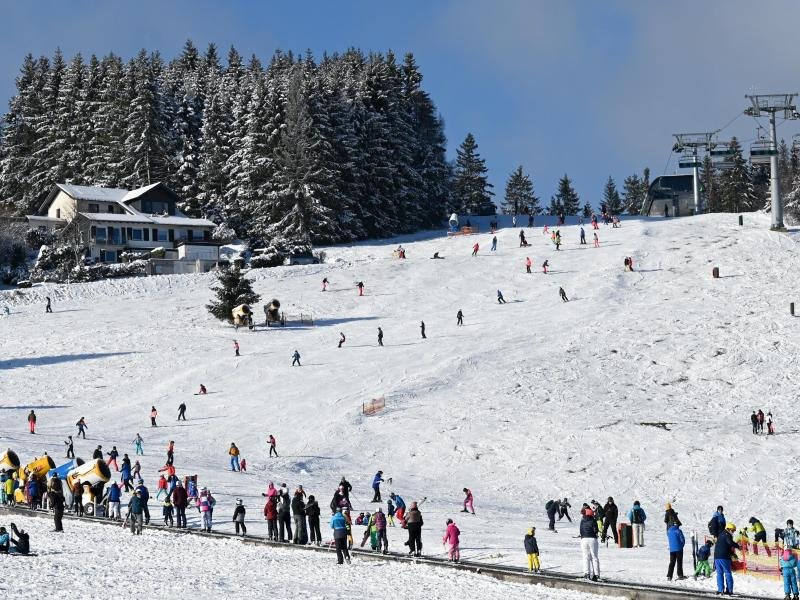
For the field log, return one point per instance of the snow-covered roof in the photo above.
(111, 218)
(133, 194)
(87, 192)
(186, 221)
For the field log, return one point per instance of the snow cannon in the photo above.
(92, 472)
(40, 466)
(64, 469)
(273, 312)
(453, 222)
(9, 461)
(242, 316)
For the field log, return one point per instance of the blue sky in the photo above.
(578, 87)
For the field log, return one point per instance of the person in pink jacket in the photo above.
(468, 501)
(271, 491)
(450, 540)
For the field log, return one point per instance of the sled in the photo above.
(471, 230)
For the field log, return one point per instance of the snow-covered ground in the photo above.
(527, 401)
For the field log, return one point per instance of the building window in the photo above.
(163, 236)
(58, 213)
(136, 235)
(94, 208)
(155, 207)
(111, 208)
(100, 235)
(116, 236)
(108, 256)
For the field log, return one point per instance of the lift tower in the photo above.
(688, 144)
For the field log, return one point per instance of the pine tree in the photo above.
(736, 187)
(566, 198)
(232, 289)
(519, 196)
(471, 189)
(611, 197)
(588, 210)
(709, 182)
(632, 189)
(784, 168)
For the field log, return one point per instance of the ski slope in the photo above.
(528, 401)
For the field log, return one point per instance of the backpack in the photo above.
(713, 526)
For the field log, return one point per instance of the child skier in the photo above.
(475, 249)
(545, 264)
(528, 264)
(167, 512)
(162, 488)
(532, 550)
(389, 512)
(236, 347)
(325, 285)
(468, 501)
(450, 540)
(703, 553)
(238, 517)
(137, 444)
(788, 564)
(243, 465)
(296, 358)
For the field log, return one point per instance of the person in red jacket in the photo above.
(271, 515)
(32, 421)
(162, 487)
(475, 249)
(451, 541)
(272, 443)
(468, 501)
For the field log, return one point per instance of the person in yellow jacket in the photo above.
(759, 533)
(532, 550)
(234, 454)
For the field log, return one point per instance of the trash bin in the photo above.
(715, 272)
(625, 535)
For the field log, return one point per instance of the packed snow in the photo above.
(531, 400)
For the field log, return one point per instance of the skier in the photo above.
(723, 550)
(296, 358)
(494, 244)
(272, 443)
(400, 509)
(532, 550)
(459, 317)
(788, 565)
(153, 415)
(468, 501)
(760, 534)
(312, 514)
(202, 391)
(135, 509)
(48, 307)
(341, 339)
(167, 512)
(450, 541)
(170, 452)
(380, 336)
(588, 534)
(596, 240)
(233, 451)
(611, 512)
(528, 264)
(70, 447)
(703, 553)
(376, 486)
(339, 526)
(414, 525)
(112, 458)
(563, 294)
(545, 264)
(137, 444)
(637, 517)
(676, 543)
(238, 517)
(236, 347)
(325, 285)
(552, 508)
(522, 241)
(770, 426)
(125, 473)
(583, 236)
(380, 531)
(500, 299)
(563, 510)
(182, 411)
(760, 421)
(558, 240)
(205, 503)
(136, 471)
(422, 329)
(360, 286)
(390, 511)
(32, 422)
(161, 486)
(475, 249)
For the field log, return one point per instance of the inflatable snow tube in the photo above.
(65, 468)
(92, 472)
(9, 461)
(40, 466)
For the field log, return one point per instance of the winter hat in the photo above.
(532, 531)
(446, 522)
(787, 554)
(588, 512)
(238, 501)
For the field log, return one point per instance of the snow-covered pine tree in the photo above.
(471, 189)
(567, 199)
(611, 197)
(631, 191)
(108, 122)
(736, 186)
(519, 197)
(232, 289)
(709, 181)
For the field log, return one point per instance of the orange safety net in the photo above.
(762, 559)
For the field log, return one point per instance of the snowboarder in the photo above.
(325, 285)
(202, 391)
(380, 336)
(236, 347)
(723, 550)
(552, 508)
(500, 299)
(637, 517)
(475, 249)
(676, 543)
(610, 514)
(70, 447)
(494, 244)
(376, 486)
(137, 444)
(414, 525)
(296, 359)
(272, 443)
(459, 317)
(339, 526)
(563, 510)
(32, 422)
(589, 546)
(422, 329)
(238, 517)
(437, 257)
(528, 264)
(596, 240)
(233, 452)
(583, 236)
(532, 550)
(468, 501)
(341, 339)
(563, 294)
(450, 541)
(545, 264)
(522, 241)
(360, 286)
(153, 415)
(182, 411)
(48, 307)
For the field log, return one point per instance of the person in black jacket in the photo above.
(552, 508)
(56, 499)
(563, 510)
(285, 517)
(299, 514)
(610, 520)
(671, 517)
(22, 543)
(347, 487)
(459, 317)
(588, 534)
(414, 524)
(312, 514)
(723, 551)
(532, 550)
(238, 517)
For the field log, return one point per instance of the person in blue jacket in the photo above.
(144, 496)
(339, 526)
(788, 564)
(676, 544)
(723, 563)
(376, 486)
(126, 473)
(717, 523)
(114, 499)
(637, 517)
(5, 541)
